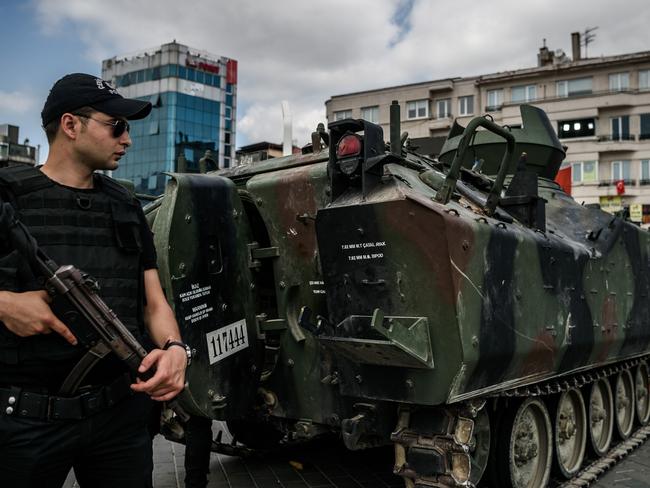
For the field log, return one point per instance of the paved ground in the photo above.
(633, 472)
(329, 465)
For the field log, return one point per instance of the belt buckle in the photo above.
(88, 403)
(92, 400)
(49, 414)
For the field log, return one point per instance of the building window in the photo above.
(619, 81)
(342, 114)
(644, 79)
(645, 172)
(620, 128)
(584, 171)
(371, 114)
(644, 129)
(228, 112)
(494, 100)
(466, 105)
(576, 128)
(523, 93)
(576, 172)
(154, 128)
(417, 109)
(443, 108)
(621, 170)
(570, 88)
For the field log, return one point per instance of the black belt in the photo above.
(16, 402)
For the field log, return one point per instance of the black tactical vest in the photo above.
(96, 230)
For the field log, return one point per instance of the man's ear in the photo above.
(70, 125)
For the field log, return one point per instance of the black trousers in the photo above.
(107, 450)
(198, 443)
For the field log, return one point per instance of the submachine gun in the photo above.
(102, 331)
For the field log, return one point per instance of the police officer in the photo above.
(83, 218)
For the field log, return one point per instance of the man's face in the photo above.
(97, 145)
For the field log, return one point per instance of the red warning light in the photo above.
(349, 145)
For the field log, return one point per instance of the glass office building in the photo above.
(194, 98)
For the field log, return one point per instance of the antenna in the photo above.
(588, 37)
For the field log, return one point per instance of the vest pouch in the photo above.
(8, 271)
(126, 226)
(48, 347)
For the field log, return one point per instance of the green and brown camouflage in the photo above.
(333, 291)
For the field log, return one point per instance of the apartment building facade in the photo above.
(12, 152)
(600, 108)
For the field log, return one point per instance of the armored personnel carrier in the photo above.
(465, 310)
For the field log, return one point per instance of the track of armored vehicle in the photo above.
(491, 328)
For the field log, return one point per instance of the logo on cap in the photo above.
(104, 85)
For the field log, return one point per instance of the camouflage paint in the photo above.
(506, 305)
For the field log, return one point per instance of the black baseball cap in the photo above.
(78, 90)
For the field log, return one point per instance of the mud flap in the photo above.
(201, 235)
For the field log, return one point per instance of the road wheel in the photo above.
(641, 386)
(600, 417)
(624, 404)
(569, 432)
(525, 446)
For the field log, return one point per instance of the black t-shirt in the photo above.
(36, 376)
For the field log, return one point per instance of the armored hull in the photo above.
(475, 322)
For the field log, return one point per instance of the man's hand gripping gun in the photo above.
(102, 331)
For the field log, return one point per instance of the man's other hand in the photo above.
(169, 379)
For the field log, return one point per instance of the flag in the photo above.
(620, 187)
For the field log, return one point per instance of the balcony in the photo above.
(441, 86)
(627, 182)
(616, 137)
(617, 143)
(441, 122)
(617, 98)
(493, 108)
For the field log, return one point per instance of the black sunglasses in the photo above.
(119, 126)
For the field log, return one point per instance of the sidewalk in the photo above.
(328, 464)
(324, 464)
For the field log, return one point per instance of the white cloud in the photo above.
(263, 122)
(16, 102)
(306, 51)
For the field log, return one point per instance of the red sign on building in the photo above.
(202, 65)
(231, 71)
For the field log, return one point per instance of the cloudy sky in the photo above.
(302, 51)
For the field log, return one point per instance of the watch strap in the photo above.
(188, 351)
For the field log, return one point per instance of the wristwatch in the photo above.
(188, 351)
